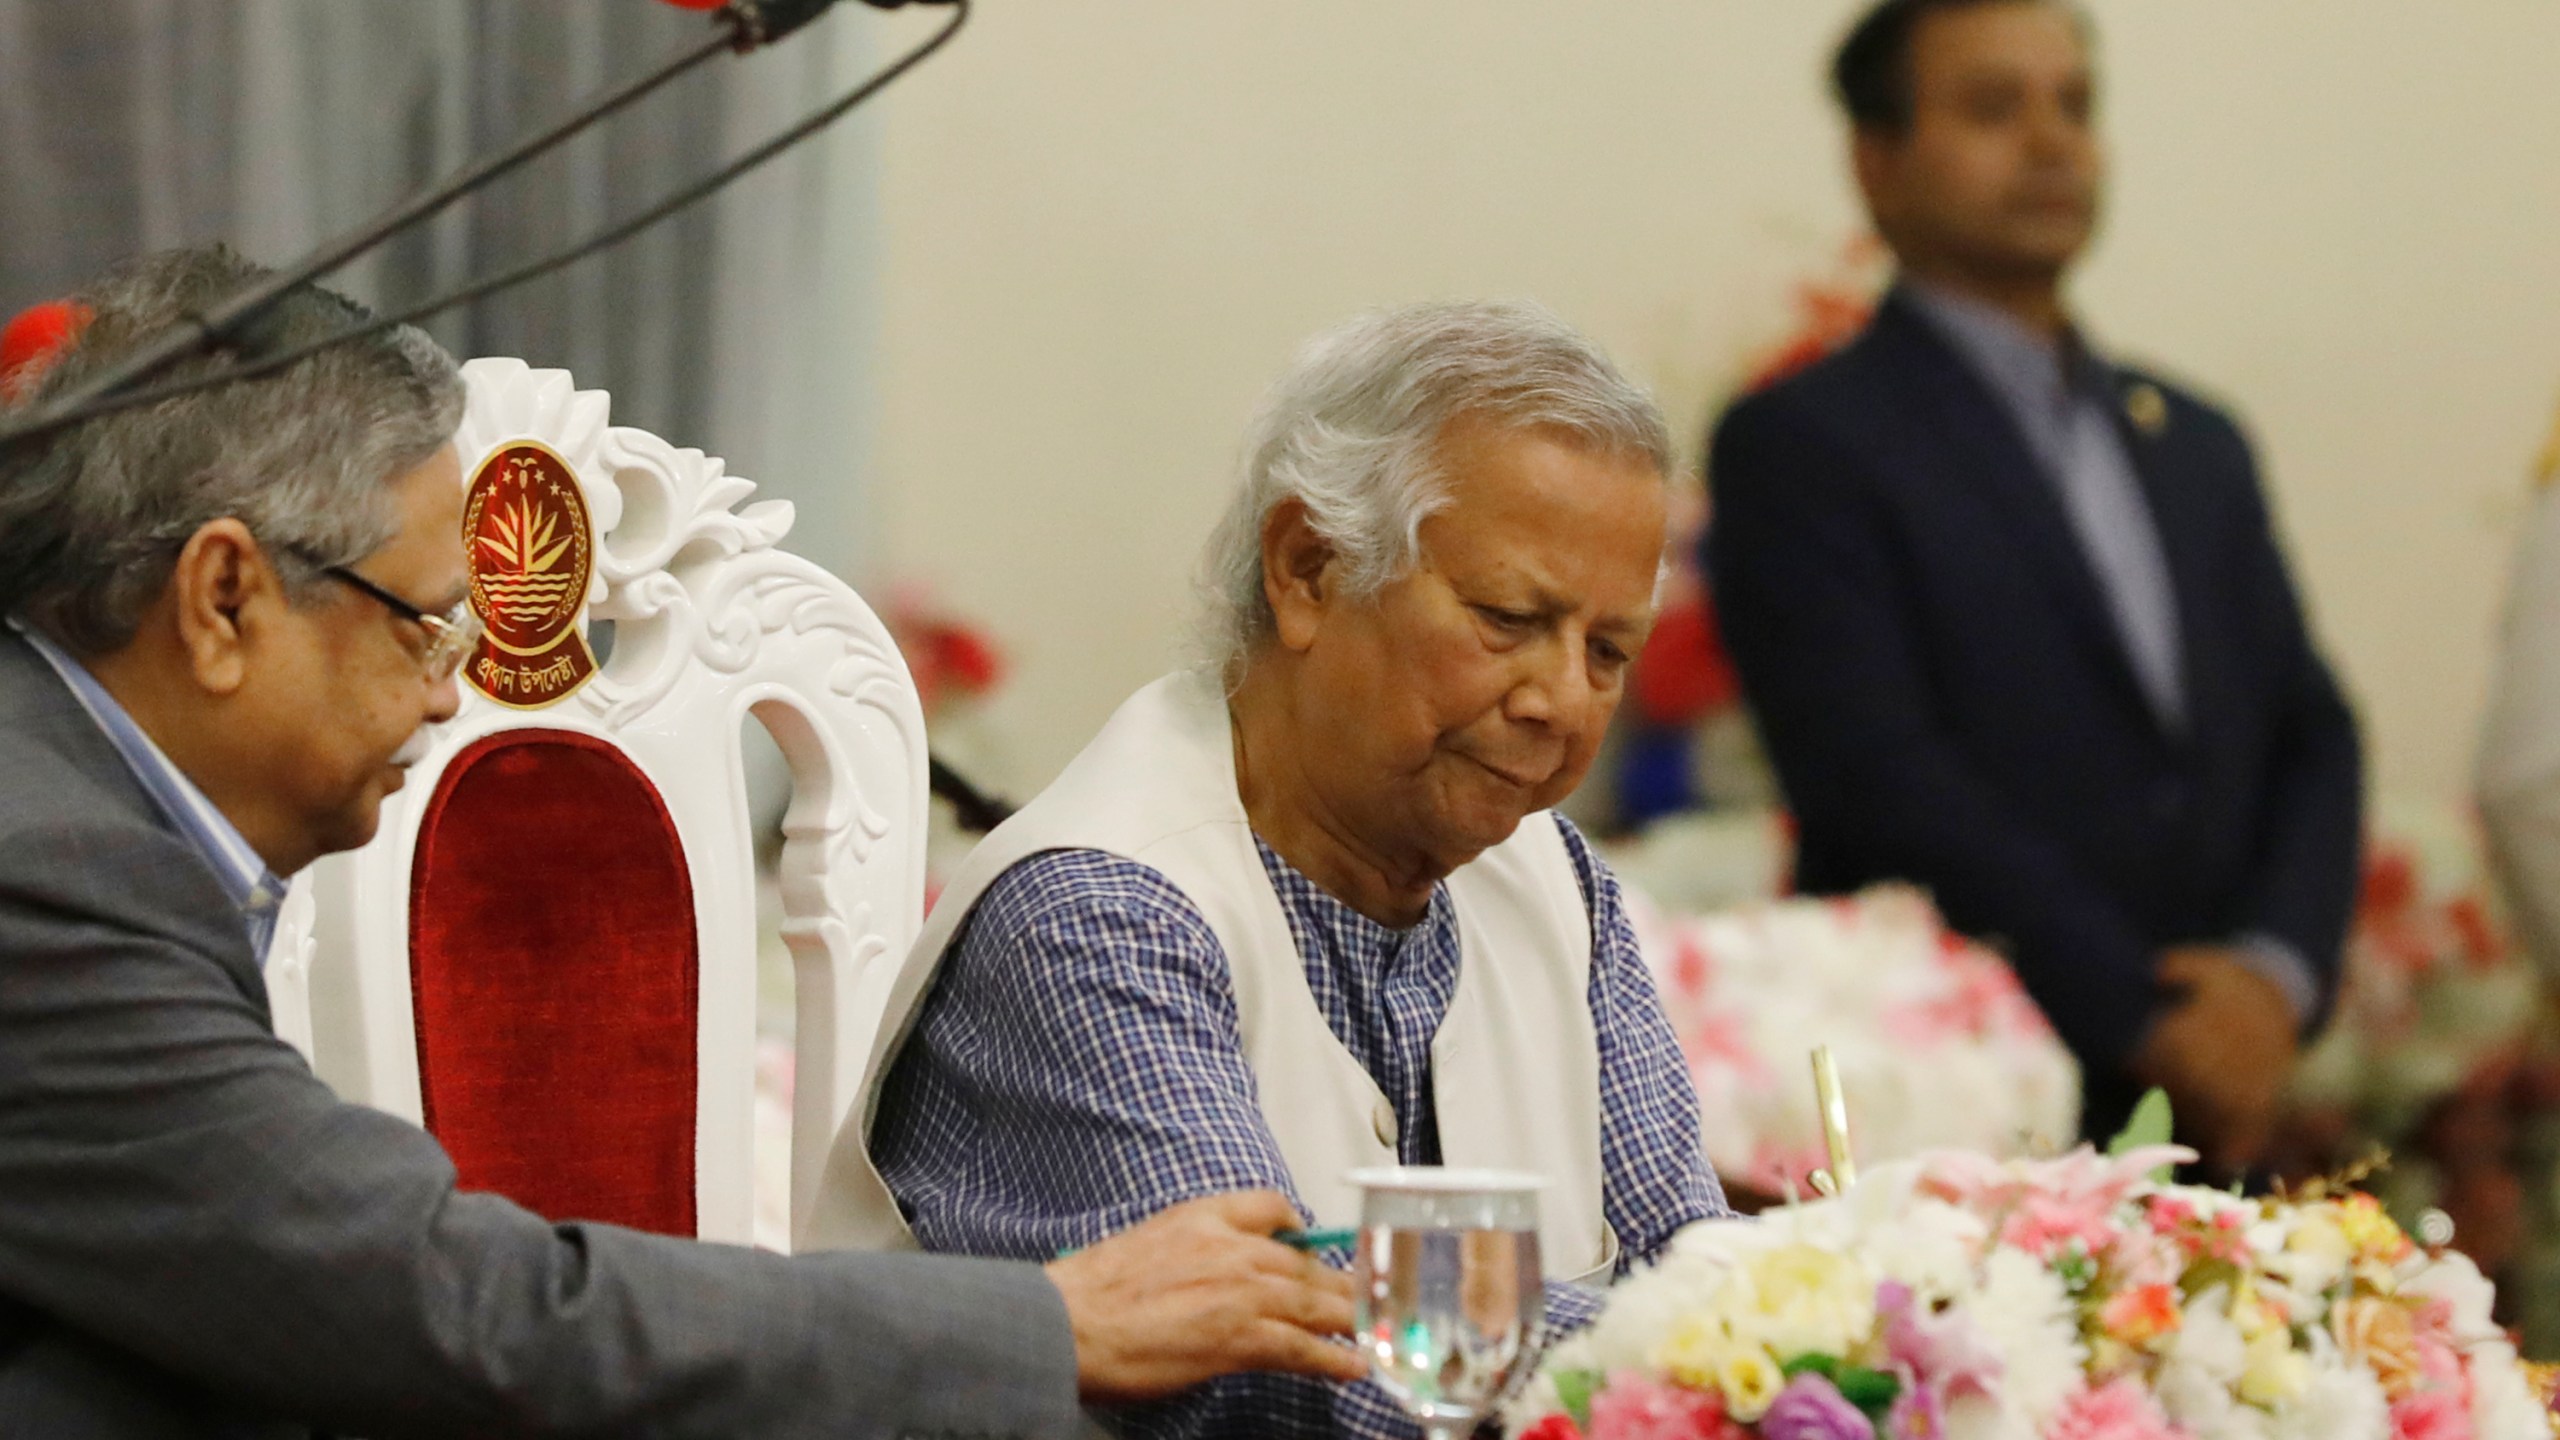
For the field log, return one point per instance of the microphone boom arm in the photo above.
(112, 389)
(233, 314)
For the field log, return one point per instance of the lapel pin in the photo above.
(2147, 408)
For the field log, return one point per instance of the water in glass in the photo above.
(1450, 1290)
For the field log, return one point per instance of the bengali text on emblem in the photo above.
(531, 556)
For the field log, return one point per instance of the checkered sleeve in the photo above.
(1080, 1066)
(1651, 1148)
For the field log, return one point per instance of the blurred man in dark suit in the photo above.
(2013, 617)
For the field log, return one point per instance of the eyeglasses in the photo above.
(450, 636)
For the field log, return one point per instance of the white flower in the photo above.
(2452, 1277)
(1978, 1417)
(2307, 1250)
(2503, 1406)
(2205, 1406)
(1807, 1300)
(2026, 1316)
(2343, 1402)
(2209, 1343)
(2205, 1364)
(1930, 1249)
(1642, 1309)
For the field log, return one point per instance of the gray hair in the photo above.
(1352, 432)
(92, 519)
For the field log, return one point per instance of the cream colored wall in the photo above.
(1105, 223)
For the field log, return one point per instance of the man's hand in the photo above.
(2224, 1051)
(1202, 1290)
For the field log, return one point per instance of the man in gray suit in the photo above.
(228, 615)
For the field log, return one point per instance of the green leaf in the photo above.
(2150, 1125)
(1872, 1391)
(2205, 1274)
(1575, 1388)
(1826, 1366)
(2076, 1271)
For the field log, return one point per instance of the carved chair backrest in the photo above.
(548, 952)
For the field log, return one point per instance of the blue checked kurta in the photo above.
(1080, 1065)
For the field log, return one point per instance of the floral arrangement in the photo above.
(2442, 1051)
(953, 659)
(1957, 1297)
(1830, 309)
(2433, 993)
(1939, 1046)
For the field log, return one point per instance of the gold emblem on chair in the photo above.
(531, 556)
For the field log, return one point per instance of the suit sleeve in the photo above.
(1804, 570)
(2304, 888)
(180, 1188)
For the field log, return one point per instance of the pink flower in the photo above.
(2118, 1410)
(1722, 1037)
(1554, 1427)
(1693, 968)
(1916, 1415)
(2080, 1183)
(2044, 1224)
(2169, 1212)
(1929, 1024)
(1812, 1408)
(2432, 1319)
(2430, 1415)
(1941, 1351)
(2226, 1239)
(2442, 1366)
(1776, 1167)
(1634, 1407)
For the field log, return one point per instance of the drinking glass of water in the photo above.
(1450, 1291)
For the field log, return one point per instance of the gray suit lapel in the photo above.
(37, 705)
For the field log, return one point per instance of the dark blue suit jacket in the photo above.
(1944, 693)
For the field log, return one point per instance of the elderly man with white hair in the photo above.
(1305, 910)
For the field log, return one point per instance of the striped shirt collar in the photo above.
(244, 876)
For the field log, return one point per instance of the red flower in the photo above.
(31, 340)
(2390, 882)
(949, 658)
(2482, 945)
(1684, 673)
(1554, 1427)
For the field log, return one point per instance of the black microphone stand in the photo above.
(976, 810)
(225, 322)
(745, 25)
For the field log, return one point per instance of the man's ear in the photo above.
(222, 593)
(1872, 155)
(1296, 578)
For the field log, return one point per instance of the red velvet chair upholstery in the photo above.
(568, 1087)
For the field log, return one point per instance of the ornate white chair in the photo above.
(548, 954)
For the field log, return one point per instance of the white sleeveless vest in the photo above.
(1515, 1065)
